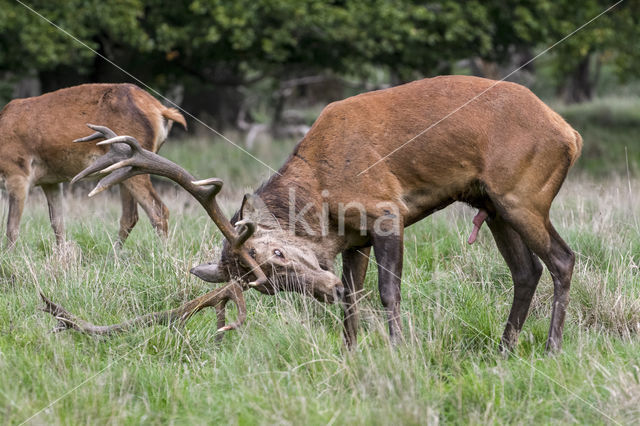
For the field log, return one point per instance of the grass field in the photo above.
(287, 364)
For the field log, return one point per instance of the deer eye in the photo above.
(252, 253)
(278, 253)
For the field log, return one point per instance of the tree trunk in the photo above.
(579, 85)
(217, 106)
(60, 77)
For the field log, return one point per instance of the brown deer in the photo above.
(370, 166)
(36, 148)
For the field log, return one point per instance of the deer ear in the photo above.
(210, 272)
(255, 210)
(243, 206)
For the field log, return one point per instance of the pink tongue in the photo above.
(478, 220)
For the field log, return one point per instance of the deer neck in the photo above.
(296, 200)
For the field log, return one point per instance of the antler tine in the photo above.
(129, 140)
(94, 136)
(117, 153)
(101, 132)
(210, 181)
(107, 132)
(245, 229)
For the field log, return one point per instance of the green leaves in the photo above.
(29, 42)
(214, 39)
(344, 36)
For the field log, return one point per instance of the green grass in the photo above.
(205, 158)
(288, 364)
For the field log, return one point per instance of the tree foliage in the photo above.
(232, 43)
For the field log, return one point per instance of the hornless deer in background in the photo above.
(36, 148)
(367, 169)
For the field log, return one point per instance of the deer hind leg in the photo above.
(525, 269)
(18, 188)
(129, 216)
(143, 192)
(388, 251)
(53, 192)
(541, 237)
(563, 260)
(354, 269)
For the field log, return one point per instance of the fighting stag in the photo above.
(36, 148)
(375, 163)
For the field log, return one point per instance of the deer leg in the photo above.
(18, 189)
(388, 251)
(354, 269)
(143, 192)
(562, 260)
(525, 272)
(129, 216)
(53, 192)
(539, 235)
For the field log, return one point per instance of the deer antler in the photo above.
(217, 298)
(126, 158)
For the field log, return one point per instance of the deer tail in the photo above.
(577, 147)
(175, 115)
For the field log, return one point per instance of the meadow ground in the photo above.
(288, 364)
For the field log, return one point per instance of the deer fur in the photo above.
(36, 148)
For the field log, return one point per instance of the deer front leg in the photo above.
(143, 192)
(53, 193)
(129, 216)
(388, 250)
(18, 189)
(354, 269)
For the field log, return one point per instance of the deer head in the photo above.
(290, 262)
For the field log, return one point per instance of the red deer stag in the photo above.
(367, 169)
(36, 148)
